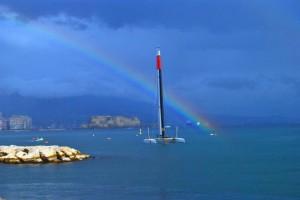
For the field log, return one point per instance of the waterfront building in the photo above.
(20, 122)
(3, 123)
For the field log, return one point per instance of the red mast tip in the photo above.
(158, 60)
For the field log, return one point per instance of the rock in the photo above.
(49, 154)
(39, 154)
(29, 156)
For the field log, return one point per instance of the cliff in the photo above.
(113, 122)
(39, 154)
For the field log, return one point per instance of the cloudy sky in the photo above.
(234, 57)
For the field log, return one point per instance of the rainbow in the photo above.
(181, 107)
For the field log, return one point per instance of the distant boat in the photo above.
(162, 137)
(140, 132)
(38, 139)
(213, 133)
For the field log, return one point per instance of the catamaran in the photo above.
(162, 136)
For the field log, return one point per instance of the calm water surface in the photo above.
(239, 163)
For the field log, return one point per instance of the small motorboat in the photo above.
(38, 139)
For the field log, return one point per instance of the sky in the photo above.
(226, 58)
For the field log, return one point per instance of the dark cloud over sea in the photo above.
(227, 57)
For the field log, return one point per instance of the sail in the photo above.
(162, 138)
(160, 95)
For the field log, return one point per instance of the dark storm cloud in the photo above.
(74, 23)
(293, 82)
(227, 56)
(232, 83)
(213, 15)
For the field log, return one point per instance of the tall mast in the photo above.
(160, 95)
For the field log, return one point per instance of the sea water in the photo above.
(252, 163)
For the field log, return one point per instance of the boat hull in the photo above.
(166, 140)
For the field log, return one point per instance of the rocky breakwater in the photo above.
(39, 154)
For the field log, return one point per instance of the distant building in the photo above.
(3, 123)
(20, 122)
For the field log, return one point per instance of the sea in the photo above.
(247, 163)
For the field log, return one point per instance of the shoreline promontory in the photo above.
(39, 154)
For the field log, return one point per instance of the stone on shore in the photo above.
(39, 154)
